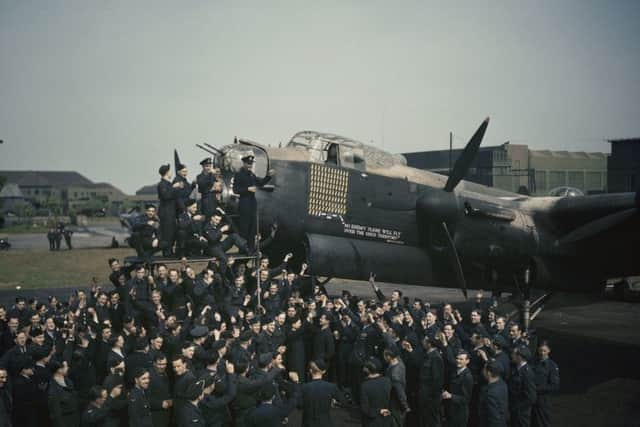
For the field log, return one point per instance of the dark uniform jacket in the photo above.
(323, 345)
(6, 406)
(190, 416)
(431, 373)
(13, 358)
(522, 389)
(273, 414)
(139, 410)
(96, 417)
(493, 406)
(547, 377)
(244, 179)
(295, 350)
(112, 355)
(214, 407)
(167, 210)
(168, 197)
(460, 387)
(140, 225)
(208, 198)
(182, 194)
(246, 399)
(247, 204)
(316, 403)
(239, 354)
(265, 343)
(176, 297)
(503, 360)
(180, 388)
(190, 227)
(212, 233)
(374, 396)
(398, 376)
(159, 391)
(102, 352)
(24, 395)
(116, 314)
(63, 404)
(82, 371)
(7, 341)
(41, 378)
(118, 406)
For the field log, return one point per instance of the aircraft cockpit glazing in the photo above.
(330, 149)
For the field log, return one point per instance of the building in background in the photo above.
(65, 191)
(623, 166)
(146, 194)
(12, 199)
(516, 168)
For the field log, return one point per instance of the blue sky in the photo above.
(109, 88)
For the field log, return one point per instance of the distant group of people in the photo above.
(56, 234)
(181, 227)
(236, 344)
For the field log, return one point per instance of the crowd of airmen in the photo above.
(241, 343)
(180, 347)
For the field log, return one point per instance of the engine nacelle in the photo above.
(355, 259)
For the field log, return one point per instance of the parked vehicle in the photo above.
(4, 244)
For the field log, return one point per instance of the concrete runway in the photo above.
(596, 343)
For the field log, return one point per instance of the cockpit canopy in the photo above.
(341, 151)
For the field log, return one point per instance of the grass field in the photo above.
(32, 268)
(22, 229)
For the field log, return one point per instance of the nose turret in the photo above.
(227, 197)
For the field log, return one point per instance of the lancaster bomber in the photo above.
(351, 209)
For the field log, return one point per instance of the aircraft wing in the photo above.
(584, 217)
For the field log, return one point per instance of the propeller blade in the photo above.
(597, 226)
(455, 261)
(463, 163)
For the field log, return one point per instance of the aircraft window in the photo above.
(332, 155)
(331, 149)
(352, 157)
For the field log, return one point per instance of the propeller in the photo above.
(441, 209)
(443, 206)
(455, 260)
(463, 163)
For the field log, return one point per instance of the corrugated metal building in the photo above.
(623, 168)
(515, 167)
